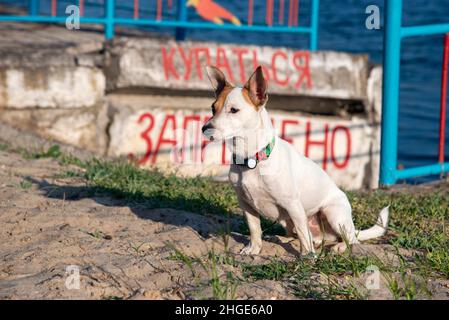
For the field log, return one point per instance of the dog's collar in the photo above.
(251, 162)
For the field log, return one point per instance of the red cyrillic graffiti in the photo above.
(283, 55)
(167, 61)
(303, 68)
(344, 163)
(145, 136)
(197, 130)
(192, 124)
(223, 63)
(187, 60)
(161, 140)
(239, 52)
(296, 65)
(283, 127)
(199, 69)
(323, 143)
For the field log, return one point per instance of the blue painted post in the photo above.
(314, 24)
(181, 16)
(109, 24)
(33, 7)
(390, 99)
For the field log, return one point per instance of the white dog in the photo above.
(273, 180)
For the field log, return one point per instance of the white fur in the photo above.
(287, 187)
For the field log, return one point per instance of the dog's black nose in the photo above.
(207, 126)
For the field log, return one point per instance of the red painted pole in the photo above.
(296, 13)
(159, 10)
(170, 4)
(290, 13)
(250, 12)
(81, 8)
(269, 15)
(136, 9)
(281, 11)
(443, 98)
(53, 8)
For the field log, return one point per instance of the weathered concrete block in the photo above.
(180, 65)
(51, 87)
(150, 135)
(78, 127)
(375, 94)
(374, 108)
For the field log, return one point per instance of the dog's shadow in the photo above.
(149, 208)
(157, 208)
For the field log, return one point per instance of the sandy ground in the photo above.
(122, 250)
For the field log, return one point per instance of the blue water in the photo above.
(342, 28)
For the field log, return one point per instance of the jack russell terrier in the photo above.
(272, 179)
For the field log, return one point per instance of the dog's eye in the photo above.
(234, 110)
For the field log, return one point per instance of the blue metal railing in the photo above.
(394, 34)
(181, 22)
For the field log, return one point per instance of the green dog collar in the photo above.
(263, 154)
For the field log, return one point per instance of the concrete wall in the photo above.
(180, 65)
(54, 88)
(151, 133)
(132, 97)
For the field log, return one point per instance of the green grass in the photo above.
(224, 287)
(200, 195)
(3, 146)
(52, 152)
(25, 184)
(224, 284)
(303, 274)
(97, 234)
(137, 247)
(419, 223)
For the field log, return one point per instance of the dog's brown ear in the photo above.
(217, 79)
(257, 88)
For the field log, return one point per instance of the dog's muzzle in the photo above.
(208, 130)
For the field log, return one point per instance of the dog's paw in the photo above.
(251, 250)
(339, 247)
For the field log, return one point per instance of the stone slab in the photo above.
(170, 64)
(83, 128)
(51, 87)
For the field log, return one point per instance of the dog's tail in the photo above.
(378, 230)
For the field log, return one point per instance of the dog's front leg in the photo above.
(255, 244)
(300, 221)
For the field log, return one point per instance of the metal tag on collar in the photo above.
(252, 163)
